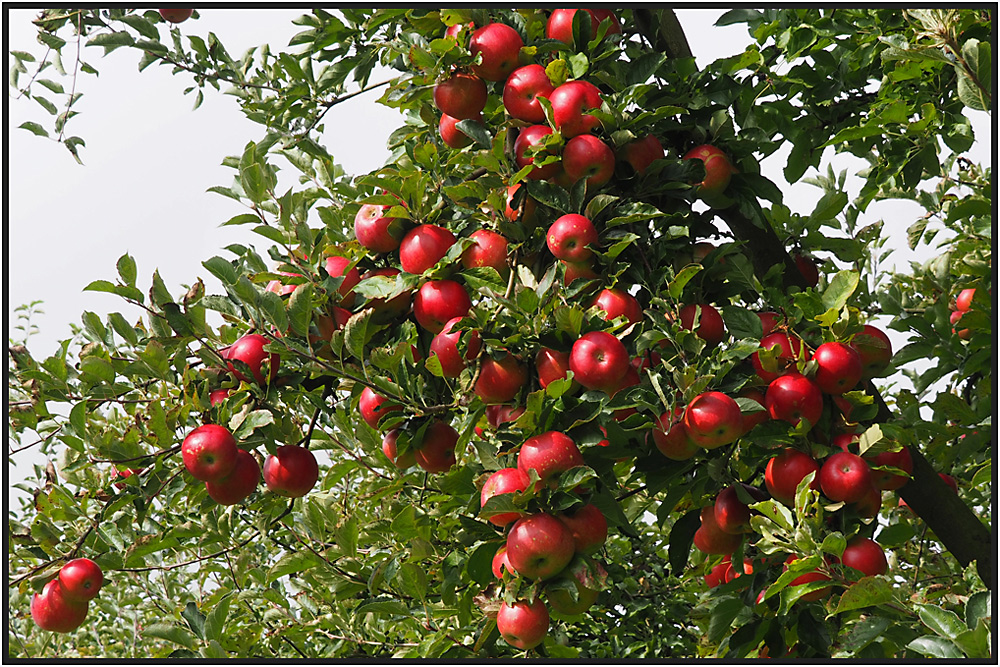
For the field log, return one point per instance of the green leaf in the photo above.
(829, 206)
(935, 647)
(172, 633)
(974, 84)
(742, 323)
(158, 292)
(195, 619)
(975, 643)
(945, 623)
(840, 289)
(296, 561)
(243, 426)
(300, 309)
(382, 605)
(724, 612)
(864, 632)
(681, 538)
(978, 607)
(475, 131)
(356, 332)
(215, 624)
(126, 269)
(676, 286)
(34, 128)
(868, 592)
(111, 39)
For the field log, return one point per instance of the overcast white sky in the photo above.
(150, 159)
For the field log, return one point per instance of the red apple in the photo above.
(671, 437)
(577, 271)
(732, 515)
(81, 579)
(462, 96)
(51, 610)
(500, 562)
(711, 328)
(713, 419)
(375, 231)
(569, 102)
(438, 301)
(956, 316)
(551, 365)
(209, 452)
(642, 152)
(845, 477)
(964, 300)
(217, 396)
(444, 346)
(238, 484)
(372, 406)
(875, 350)
(870, 505)
(866, 555)
(521, 92)
(337, 267)
(176, 15)
(569, 236)
(794, 397)
(500, 46)
(769, 321)
(451, 135)
(436, 452)
(751, 419)
(717, 575)
(807, 578)
(807, 267)
(525, 211)
(838, 368)
(291, 471)
(711, 539)
(500, 380)
(523, 625)
(598, 360)
(785, 471)
(788, 351)
(560, 23)
(549, 454)
(423, 246)
(586, 156)
(718, 169)
(887, 481)
(616, 302)
(527, 138)
(505, 480)
(389, 449)
(488, 249)
(280, 288)
(588, 525)
(539, 546)
(250, 350)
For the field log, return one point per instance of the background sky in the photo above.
(149, 160)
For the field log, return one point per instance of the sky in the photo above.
(149, 160)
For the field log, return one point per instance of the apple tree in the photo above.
(567, 377)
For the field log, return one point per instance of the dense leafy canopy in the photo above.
(386, 562)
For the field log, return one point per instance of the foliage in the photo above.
(377, 561)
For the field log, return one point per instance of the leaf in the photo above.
(476, 132)
(245, 425)
(681, 538)
(34, 128)
(724, 612)
(868, 592)
(296, 561)
(111, 39)
(356, 332)
(945, 623)
(172, 633)
(935, 647)
(195, 619)
(382, 605)
(978, 607)
(840, 289)
(864, 632)
(676, 286)
(829, 206)
(974, 84)
(742, 323)
(215, 624)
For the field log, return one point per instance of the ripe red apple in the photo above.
(569, 102)
(124, 474)
(500, 46)
(839, 368)
(280, 288)
(616, 302)
(372, 406)
(505, 480)
(807, 267)
(500, 379)
(875, 350)
(488, 249)
(751, 419)
(388, 311)
(717, 575)
(81, 579)
(526, 138)
(451, 135)
(794, 397)
(438, 301)
(521, 92)
(642, 152)
(598, 360)
(578, 270)
(713, 419)
(769, 321)
(444, 346)
(887, 481)
(711, 539)
(866, 555)
(436, 452)
(337, 267)
(250, 350)
(462, 96)
(523, 625)
(291, 471)
(501, 414)
(176, 15)
(956, 316)
(238, 484)
(732, 515)
(845, 477)
(586, 156)
(525, 211)
(500, 562)
(630, 379)
(788, 351)
(51, 610)
(809, 577)
(671, 437)
(375, 231)
(785, 471)
(560, 23)
(588, 525)
(551, 365)
(539, 546)
(718, 169)
(209, 452)
(423, 246)
(711, 328)
(870, 505)
(217, 396)
(963, 302)
(389, 449)
(569, 236)
(549, 454)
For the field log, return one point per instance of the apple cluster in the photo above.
(62, 605)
